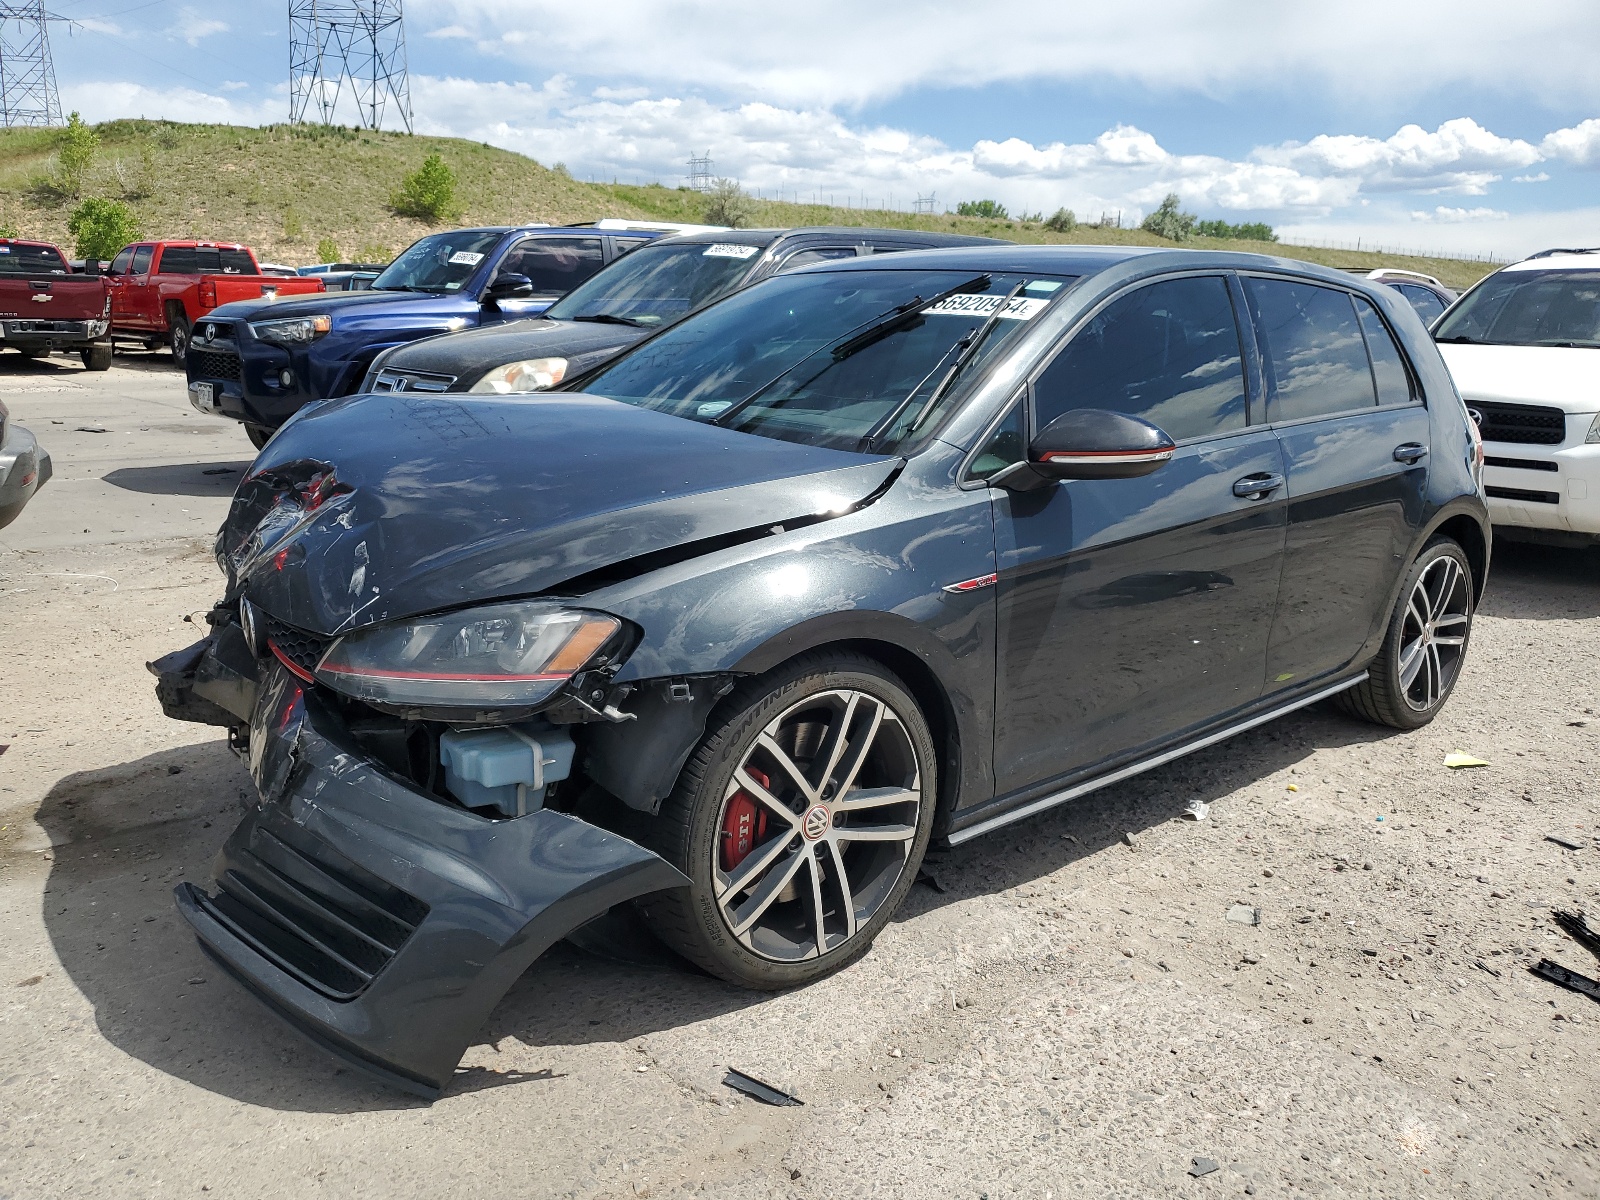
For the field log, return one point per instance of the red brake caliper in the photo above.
(744, 827)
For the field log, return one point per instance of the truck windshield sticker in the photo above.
(1023, 308)
(466, 258)
(729, 250)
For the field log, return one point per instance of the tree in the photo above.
(428, 193)
(101, 227)
(1169, 221)
(75, 155)
(730, 205)
(991, 209)
(1249, 231)
(1063, 220)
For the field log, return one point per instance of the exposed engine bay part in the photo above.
(379, 922)
(639, 762)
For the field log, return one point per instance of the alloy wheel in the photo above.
(816, 825)
(1433, 638)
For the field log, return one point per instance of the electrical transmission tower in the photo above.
(27, 76)
(700, 172)
(362, 41)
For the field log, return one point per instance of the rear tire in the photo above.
(1426, 644)
(181, 332)
(754, 920)
(259, 435)
(97, 357)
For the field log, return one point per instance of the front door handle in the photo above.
(1410, 452)
(1258, 486)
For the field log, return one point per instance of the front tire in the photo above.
(800, 820)
(96, 357)
(259, 435)
(1417, 668)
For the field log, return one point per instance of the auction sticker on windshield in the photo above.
(466, 258)
(1023, 308)
(729, 250)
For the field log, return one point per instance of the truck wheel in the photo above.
(96, 358)
(180, 337)
(800, 820)
(259, 435)
(1417, 668)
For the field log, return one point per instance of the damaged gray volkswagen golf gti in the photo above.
(883, 551)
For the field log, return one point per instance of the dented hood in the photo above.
(385, 506)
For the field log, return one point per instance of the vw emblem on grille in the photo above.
(816, 822)
(1477, 416)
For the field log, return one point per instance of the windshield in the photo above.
(796, 358)
(440, 262)
(658, 285)
(1528, 308)
(18, 259)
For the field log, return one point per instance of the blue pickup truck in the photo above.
(260, 361)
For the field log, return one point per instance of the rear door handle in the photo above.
(1258, 486)
(1410, 452)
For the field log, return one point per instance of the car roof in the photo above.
(852, 233)
(1584, 259)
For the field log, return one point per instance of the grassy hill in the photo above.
(282, 188)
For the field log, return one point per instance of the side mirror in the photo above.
(1089, 443)
(91, 266)
(506, 286)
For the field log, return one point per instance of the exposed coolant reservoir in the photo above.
(505, 768)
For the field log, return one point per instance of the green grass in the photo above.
(283, 188)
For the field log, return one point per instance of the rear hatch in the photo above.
(216, 290)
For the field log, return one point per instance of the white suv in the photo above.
(1524, 348)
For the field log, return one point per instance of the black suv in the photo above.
(881, 551)
(655, 286)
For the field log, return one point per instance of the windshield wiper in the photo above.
(408, 287)
(610, 319)
(1460, 340)
(904, 314)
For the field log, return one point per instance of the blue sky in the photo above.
(1469, 126)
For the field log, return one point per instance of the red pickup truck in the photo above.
(160, 289)
(45, 307)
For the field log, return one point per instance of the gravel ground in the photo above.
(1060, 1013)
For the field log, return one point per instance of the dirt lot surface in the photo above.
(1066, 1014)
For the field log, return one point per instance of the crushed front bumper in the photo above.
(381, 922)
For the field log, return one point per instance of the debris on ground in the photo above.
(1456, 760)
(4, 746)
(218, 471)
(1562, 840)
(757, 1090)
(1577, 928)
(1130, 840)
(1197, 810)
(91, 429)
(1571, 980)
(1202, 1166)
(1244, 914)
(928, 877)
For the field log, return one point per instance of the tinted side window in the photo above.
(1168, 353)
(1388, 366)
(179, 260)
(119, 264)
(1428, 306)
(804, 258)
(556, 265)
(141, 259)
(1315, 358)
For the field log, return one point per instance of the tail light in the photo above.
(208, 294)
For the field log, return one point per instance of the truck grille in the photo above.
(304, 650)
(411, 381)
(1529, 424)
(212, 364)
(313, 912)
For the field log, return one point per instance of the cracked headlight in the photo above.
(497, 656)
(529, 375)
(292, 331)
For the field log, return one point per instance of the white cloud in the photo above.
(832, 52)
(234, 85)
(191, 27)
(1459, 156)
(1541, 177)
(108, 100)
(1579, 145)
(109, 28)
(1454, 216)
(1512, 237)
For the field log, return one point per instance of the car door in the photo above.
(138, 288)
(117, 281)
(1345, 406)
(1131, 609)
(555, 264)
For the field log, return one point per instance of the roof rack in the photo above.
(1565, 250)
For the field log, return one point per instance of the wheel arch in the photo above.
(1470, 532)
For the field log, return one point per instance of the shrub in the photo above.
(75, 156)
(293, 226)
(428, 193)
(101, 227)
(374, 253)
(992, 209)
(1250, 231)
(729, 205)
(1169, 221)
(1063, 220)
(8, 230)
(327, 250)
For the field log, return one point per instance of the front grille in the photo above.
(411, 381)
(313, 912)
(212, 364)
(304, 650)
(1530, 424)
(1522, 464)
(209, 329)
(1524, 494)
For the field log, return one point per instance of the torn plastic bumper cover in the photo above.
(383, 923)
